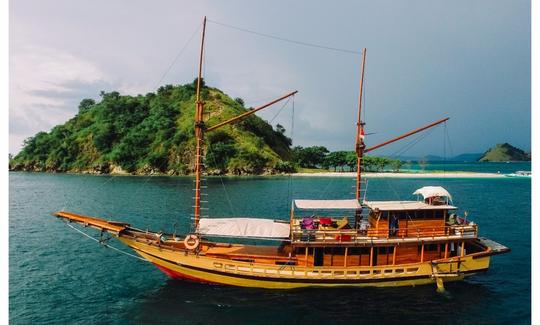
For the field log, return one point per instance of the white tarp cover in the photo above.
(405, 205)
(244, 227)
(327, 204)
(431, 191)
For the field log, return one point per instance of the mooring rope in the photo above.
(106, 245)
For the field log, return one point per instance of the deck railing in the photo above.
(354, 235)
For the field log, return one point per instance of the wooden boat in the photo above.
(324, 243)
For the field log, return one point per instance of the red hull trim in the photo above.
(180, 276)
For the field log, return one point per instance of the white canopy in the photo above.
(328, 204)
(431, 191)
(244, 227)
(405, 205)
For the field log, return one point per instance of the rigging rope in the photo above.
(106, 245)
(282, 107)
(178, 56)
(401, 151)
(286, 39)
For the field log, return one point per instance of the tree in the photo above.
(396, 165)
(309, 157)
(351, 160)
(336, 159)
(239, 101)
(86, 104)
(379, 163)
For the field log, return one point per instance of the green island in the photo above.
(154, 135)
(505, 152)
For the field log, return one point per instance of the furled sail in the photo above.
(244, 227)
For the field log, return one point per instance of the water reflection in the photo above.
(185, 302)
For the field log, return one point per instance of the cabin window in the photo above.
(300, 250)
(431, 248)
(318, 257)
(439, 214)
(453, 249)
(473, 248)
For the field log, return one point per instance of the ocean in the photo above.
(58, 276)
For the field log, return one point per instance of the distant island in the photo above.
(505, 152)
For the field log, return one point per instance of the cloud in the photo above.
(46, 86)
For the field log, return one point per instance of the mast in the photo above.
(199, 136)
(360, 146)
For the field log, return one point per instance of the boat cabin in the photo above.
(339, 221)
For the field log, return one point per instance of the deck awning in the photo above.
(327, 204)
(244, 227)
(432, 191)
(405, 205)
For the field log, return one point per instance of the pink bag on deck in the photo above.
(307, 223)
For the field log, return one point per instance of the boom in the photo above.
(241, 116)
(407, 134)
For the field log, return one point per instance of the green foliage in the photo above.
(285, 167)
(309, 157)
(239, 101)
(396, 164)
(378, 164)
(86, 104)
(221, 148)
(154, 133)
(505, 152)
(336, 159)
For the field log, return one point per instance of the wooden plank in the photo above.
(103, 224)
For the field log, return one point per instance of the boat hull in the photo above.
(199, 268)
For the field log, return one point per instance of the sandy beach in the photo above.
(405, 175)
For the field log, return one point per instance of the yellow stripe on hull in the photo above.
(226, 272)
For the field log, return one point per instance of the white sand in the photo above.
(405, 175)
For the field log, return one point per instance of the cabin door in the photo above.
(318, 256)
(394, 225)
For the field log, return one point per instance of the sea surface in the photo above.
(479, 167)
(58, 276)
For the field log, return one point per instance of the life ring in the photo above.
(191, 242)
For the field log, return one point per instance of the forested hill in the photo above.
(505, 152)
(155, 134)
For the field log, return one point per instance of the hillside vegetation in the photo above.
(155, 134)
(505, 152)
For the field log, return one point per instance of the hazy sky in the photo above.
(469, 60)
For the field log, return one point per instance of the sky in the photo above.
(467, 60)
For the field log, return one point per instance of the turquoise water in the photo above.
(59, 276)
(480, 167)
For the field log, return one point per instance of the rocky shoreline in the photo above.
(118, 171)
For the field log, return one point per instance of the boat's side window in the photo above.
(431, 247)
